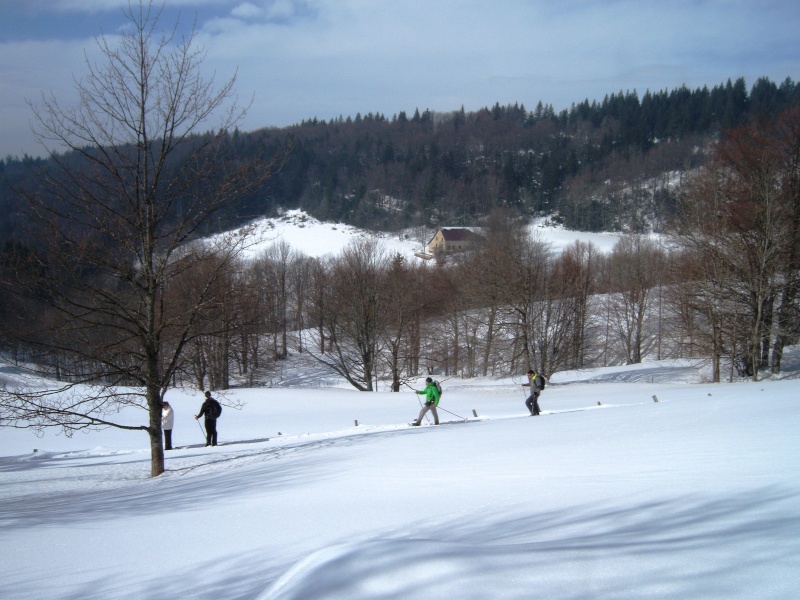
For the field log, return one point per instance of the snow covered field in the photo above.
(315, 238)
(696, 496)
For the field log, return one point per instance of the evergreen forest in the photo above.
(614, 165)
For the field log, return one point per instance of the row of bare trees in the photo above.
(368, 315)
(739, 236)
(723, 285)
(512, 303)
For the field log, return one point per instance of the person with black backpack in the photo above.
(536, 383)
(212, 410)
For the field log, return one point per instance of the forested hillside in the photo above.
(112, 288)
(608, 165)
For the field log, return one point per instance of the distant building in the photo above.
(449, 240)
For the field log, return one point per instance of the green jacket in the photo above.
(431, 394)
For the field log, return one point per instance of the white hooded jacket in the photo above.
(167, 417)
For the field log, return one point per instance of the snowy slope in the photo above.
(695, 496)
(607, 494)
(311, 237)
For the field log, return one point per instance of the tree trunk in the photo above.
(154, 404)
(487, 350)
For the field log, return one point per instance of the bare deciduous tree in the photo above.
(405, 300)
(355, 313)
(703, 298)
(787, 140)
(635, 266)
(137, 182)
(578, 266)
(738, 225)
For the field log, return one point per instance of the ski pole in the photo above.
(452, 413)
(203, 431)
(427, 418)
(526, 393)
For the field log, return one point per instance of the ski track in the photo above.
(126, 468)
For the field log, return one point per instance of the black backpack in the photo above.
(543, 381)
(216, 409)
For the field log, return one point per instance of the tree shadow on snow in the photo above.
(681, 547)
(190, 481)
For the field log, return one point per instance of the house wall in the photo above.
(439, 244)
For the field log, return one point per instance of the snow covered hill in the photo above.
(311, 237)
(607, 494)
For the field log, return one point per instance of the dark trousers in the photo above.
(533, 403)
(168, 439)
(211, 432)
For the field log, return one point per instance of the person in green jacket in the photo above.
(431, 402)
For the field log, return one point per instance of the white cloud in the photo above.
(282, 9)
(247, 11)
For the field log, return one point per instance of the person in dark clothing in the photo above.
(535, 383)
(211, 409)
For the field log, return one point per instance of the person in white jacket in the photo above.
(167, 419)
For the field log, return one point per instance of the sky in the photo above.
(300, 59)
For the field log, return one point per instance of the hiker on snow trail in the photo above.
(212, 410)
(536, 383)
(431, 401)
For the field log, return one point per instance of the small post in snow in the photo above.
(655, 398)
(474, 412)
(356, 422)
